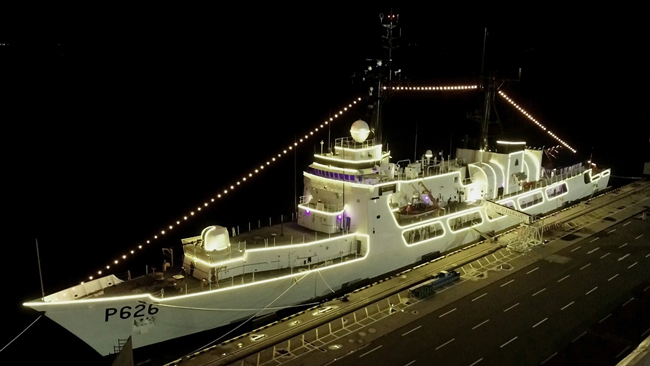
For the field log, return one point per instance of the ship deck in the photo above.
(175, 281)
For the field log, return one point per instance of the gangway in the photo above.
(531, 231)
(489, 236)
(530, 235)
(505, 210)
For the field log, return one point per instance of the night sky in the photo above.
(116, 128)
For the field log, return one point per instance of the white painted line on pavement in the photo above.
(478, 325)
(476, 298)
(549, 357)
(545, 319)
(542, 290)
(532, 270)
(372, 350)
(603, 319)
(412, 330)
(508, 342)
(567, 305)
(628, 301)
(511, 307)
(450, 311)
(592, 290)
(446, 343)
(578, 337)
(620, 353)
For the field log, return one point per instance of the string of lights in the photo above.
(530, 117)
(432, 88)
(231, 187)
(289, 148)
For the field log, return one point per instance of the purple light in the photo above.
(339, 217)
(307, 212)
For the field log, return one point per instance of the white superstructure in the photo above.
(369, 217)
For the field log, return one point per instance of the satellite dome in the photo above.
(360, 131)
(215, 238)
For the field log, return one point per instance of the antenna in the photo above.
(490, 85)
(483, 58)
(40, 274)
(415, 149)
(390, 23)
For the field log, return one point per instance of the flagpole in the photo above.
(39, 271)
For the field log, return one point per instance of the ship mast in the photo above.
(377, 78)
(390, 23)
(489, 86)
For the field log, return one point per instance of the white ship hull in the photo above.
(382, 247)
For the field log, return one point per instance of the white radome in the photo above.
(215, 238)
(360, 131)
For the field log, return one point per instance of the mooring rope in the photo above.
(253, 316)
(326, 284)
(24, 330)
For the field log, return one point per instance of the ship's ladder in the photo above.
(529, 235)
(120, 345)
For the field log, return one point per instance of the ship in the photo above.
(360, 217)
